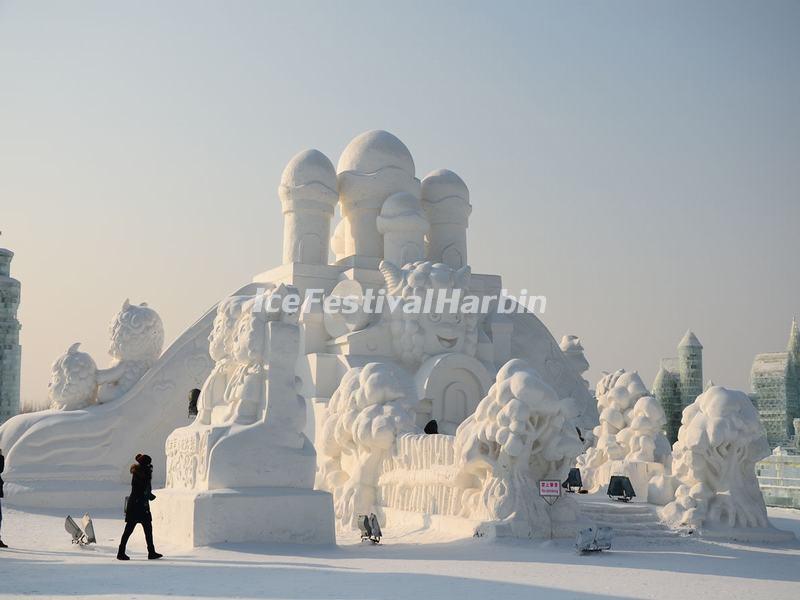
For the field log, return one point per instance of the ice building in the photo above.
(679, 381)
(10, 351)
(775, 379)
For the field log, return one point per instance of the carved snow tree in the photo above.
(521, 433)
(630, 429)
(371, 407)
(720, 440)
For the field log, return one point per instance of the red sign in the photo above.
(549, 487)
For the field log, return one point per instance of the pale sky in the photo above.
(636, 162)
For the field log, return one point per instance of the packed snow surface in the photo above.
(42, 563)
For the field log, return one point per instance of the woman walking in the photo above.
(137, 509)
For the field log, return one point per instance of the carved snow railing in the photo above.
(420, 476)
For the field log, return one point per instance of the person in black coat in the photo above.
(2, 466)
(137, 509)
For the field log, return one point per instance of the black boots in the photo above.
(153, 555)
(2, 545)
(121, 554)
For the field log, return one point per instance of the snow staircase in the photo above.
(638, 520)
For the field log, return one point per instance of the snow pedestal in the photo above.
(244, 471)
(269, 514)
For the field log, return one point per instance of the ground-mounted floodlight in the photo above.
(593, 539)
(370, 528)
(620, 488)
(573, 481)
(84, 536)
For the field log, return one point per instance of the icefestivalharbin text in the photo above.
(377, 302)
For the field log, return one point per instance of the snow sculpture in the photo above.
(720, 440)
(630, 438)
(573, 350)
(371, 407)
(521, 433)
(418, 335)
(446, 200)
(73, 380)
(403, 225)
(449, 359)
(373, 166)
(308, 195)
(137, 336)
(244, 470)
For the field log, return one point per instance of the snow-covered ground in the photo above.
(41, 562)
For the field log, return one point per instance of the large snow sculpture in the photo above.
(521, 433)
(630, 438)
(720, 440)
(137, 336)
(244, 470)
(371, 407)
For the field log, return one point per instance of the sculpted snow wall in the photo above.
(79, 457)
(487, 474)
(629, 439)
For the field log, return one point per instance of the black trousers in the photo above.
(148, 535)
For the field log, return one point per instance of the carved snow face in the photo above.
(417, 336)
(220, 340)
(136, 333)
(443, 332)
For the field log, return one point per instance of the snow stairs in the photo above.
(635, 520)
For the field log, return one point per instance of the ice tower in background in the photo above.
(10, 351)
(679, 381)
(775, 379)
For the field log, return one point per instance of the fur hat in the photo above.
(143, 459)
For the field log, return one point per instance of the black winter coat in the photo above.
(141, 493)
(2, 466)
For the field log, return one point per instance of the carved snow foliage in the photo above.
(630, 429)
(521, 433)
(720, 440)
(372, 406)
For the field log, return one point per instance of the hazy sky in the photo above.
(636, 162)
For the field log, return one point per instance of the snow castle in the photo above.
(506, 397)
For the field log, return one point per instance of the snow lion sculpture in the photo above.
(720, 440)
(521, 433)
(417, 333)
(137, 337)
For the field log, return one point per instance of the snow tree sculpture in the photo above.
(371, 407)
(521, 433)
(720, 440)
(137, 336)
(630, 430)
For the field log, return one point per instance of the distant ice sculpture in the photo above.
(137, 337)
